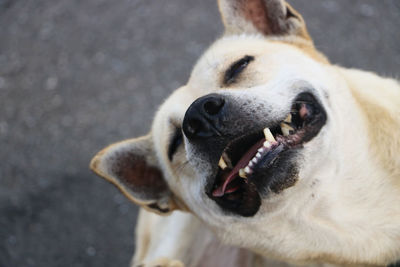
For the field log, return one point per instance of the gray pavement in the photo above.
(76, 75)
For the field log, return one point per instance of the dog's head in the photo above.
(256, 143)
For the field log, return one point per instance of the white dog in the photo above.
(270, 148)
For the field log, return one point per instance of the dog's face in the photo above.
(251, 119)
(255, 144)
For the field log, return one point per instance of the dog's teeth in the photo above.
(268, 135)
(288, 119)
(267, 144)
(286, 129)
(254, 160)
(222, 164)
(251, 164)
(258, 155)
(242, 173)
(261, 149)
(227, 160)
(247, 170)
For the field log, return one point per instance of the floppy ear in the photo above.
(268, 17)
(132, 167)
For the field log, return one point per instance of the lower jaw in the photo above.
(244, 202)
(273, 178)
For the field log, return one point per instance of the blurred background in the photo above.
(76, 75)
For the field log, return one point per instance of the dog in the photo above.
(268, 152)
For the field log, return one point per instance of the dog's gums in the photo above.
(249, 155)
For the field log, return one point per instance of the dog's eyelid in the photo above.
(236, 68)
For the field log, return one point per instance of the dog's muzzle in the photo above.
(249, 153)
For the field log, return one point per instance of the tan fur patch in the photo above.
(306, 46)
(383, 117)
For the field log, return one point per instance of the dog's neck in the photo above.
(382, 117)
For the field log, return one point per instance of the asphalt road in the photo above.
(76, 75)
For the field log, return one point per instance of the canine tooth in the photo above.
(258, 155)
(268, 135)
(267, 144)
(288, 119)
(247, 170)
(261, 149)
(227, 160)
(286, 129)
(222, 164)
(242, 173)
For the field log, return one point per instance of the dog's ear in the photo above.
(131, 166)
(268, 17)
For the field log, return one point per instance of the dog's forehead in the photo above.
(270, 56)
(275, 62)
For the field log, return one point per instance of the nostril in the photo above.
(213, 106)
(193, 126)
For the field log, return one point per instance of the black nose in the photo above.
(203, 118)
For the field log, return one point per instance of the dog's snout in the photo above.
(203, 117)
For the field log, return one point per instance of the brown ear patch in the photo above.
(132, 167)
(139, 177)
(264, 17)
(272, 17)
(255, 11)
(268, 17)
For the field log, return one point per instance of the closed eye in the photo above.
(175, 142)
(236, 68)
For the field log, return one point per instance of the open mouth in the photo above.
(248, 157)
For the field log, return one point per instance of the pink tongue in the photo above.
(221, 190)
